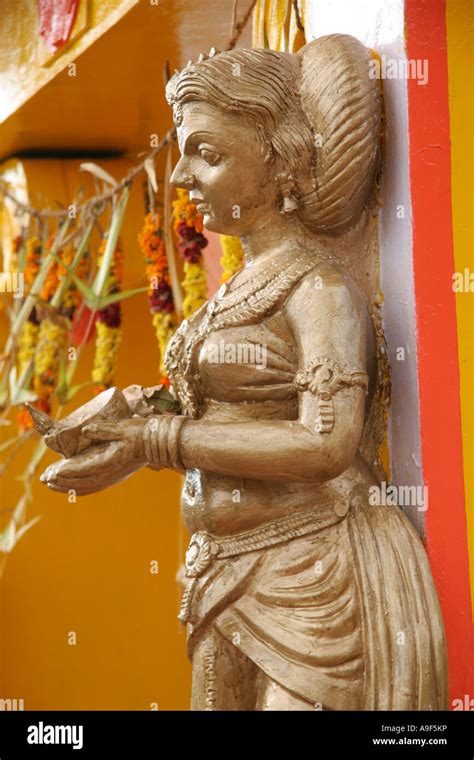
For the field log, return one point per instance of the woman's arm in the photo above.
(329, 326)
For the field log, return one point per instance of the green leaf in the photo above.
(162, 392)
(29, 301)
(20, 391)
(61, 387)
(57, 299)
(11, 535)
(67, 393)
(20, 509)
(93, 301)
(122, 296)
(36, 287)
(86, 290)
(7, 538)
(12, 380)
(114, 230)
(162, 405)
(163, 400)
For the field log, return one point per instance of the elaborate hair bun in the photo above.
(343, 105)
(318, 111)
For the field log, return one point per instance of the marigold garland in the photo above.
(27, 343)
(188, 228)
(33, 250)
(50, 349)
(108, 322)
(45, 340)
(73, 296)
(29, 332)
(160, 296)
(232, 259)
(53, 330)
(28, 338)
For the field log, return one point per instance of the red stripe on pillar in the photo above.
(438, 372)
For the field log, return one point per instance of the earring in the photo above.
(287, 186)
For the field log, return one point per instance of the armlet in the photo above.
(323, 377)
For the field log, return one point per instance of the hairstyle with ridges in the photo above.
(323, 90)
(343, 103)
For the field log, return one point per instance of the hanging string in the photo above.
(239, 26)
(89, 207)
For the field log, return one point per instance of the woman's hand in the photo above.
(119, 453)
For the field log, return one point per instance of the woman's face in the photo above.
(223, 166)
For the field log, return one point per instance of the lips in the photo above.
(198, 201)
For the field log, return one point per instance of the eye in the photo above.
(210, 156)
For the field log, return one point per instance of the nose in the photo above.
(181, 176)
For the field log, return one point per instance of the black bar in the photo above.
(161, 734)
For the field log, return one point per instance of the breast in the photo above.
(250, 363)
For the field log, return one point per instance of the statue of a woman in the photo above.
(300, 595)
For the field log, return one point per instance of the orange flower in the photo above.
(160, 296)
(23, 418)
(33, 255)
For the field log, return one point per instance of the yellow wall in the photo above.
(460, 23)
(85, 567)
(24, 68)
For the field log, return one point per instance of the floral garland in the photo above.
(188, 228)
(160, 296)
(72, 297)
(28, 339)
(50, 349)
(29, 332)
(108, 322)
(232, 259)
(53, 330)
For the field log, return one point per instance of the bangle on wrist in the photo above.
(161, 442)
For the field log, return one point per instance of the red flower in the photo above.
(111, 315)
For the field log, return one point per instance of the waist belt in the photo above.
(203, 547)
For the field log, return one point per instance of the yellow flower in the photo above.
(50, 349)
(195, 287)
(106, 347)
(232, 259)
(165, 326)
(27, 345)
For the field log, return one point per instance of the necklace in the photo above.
(261, 287)
(240, 306)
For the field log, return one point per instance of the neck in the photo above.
(277, 234)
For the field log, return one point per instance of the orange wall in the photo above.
(441, 336)
(85, 567)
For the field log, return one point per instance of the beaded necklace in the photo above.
(245, 304)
